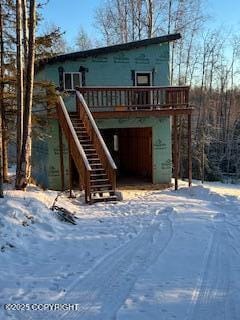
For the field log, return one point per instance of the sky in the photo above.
(70, 15)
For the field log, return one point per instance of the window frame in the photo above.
(144, 72)
(72, 83)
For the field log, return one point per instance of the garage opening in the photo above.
(131, 149)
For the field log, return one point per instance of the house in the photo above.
(116, 120)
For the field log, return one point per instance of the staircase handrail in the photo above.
(97, 140)
(93, 123)
(75, 148)
(73, 134)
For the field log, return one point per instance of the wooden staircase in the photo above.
(100, 187)
(96, 168)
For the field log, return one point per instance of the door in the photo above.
(135, 152)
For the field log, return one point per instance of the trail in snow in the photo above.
(218, 288)
(106, 286)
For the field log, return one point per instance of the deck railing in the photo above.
(135, 98)
(97, 140)
(75, 147)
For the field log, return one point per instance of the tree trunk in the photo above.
(1, 140)
(150, 11)
(19, 89)
(25, 171)
(3, 111)
(1, 162)
(1, 105)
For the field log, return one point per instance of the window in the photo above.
(143, 78)
(72, 80)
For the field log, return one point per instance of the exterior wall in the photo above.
(46, 159)
(113, 69)
(161, 144)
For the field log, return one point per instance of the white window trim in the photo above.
(144, 72)
(71, 73)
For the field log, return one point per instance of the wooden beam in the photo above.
(61, 157)
(138, 113)
(70, 171)
(189, 150)
(175, 151)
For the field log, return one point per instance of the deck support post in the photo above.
(175, 151)
(70, 171)
(61, 157)
(189, 150)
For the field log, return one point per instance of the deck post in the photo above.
(189, 150)
(175, 151)
(61, 157)
(70, 171)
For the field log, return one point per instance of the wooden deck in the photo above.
(126, 100)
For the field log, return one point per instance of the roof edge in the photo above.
(109, 49)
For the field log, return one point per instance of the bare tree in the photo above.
(83, 41)
(24, 173)
(19, 88)
(1, 103)
(121, 21)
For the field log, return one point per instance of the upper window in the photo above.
(72, 80)
(143, 78)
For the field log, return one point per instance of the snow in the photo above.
(156, 255)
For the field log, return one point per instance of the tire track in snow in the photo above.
(212, 298)
(102, 289)
(102, 292)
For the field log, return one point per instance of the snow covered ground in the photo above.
(156, 255)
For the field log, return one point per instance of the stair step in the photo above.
(104, 199)
(101, 187)
(98, 170)
(98, 180)
(98, 174)
(80, 129)
(84, 134)
(91, 156)
(85, 141)
(76, 120)
(78, 126)
(98, 165)
(91, 153)
(110, 191)
(85, 146)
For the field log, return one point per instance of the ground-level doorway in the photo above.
(131, 149)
